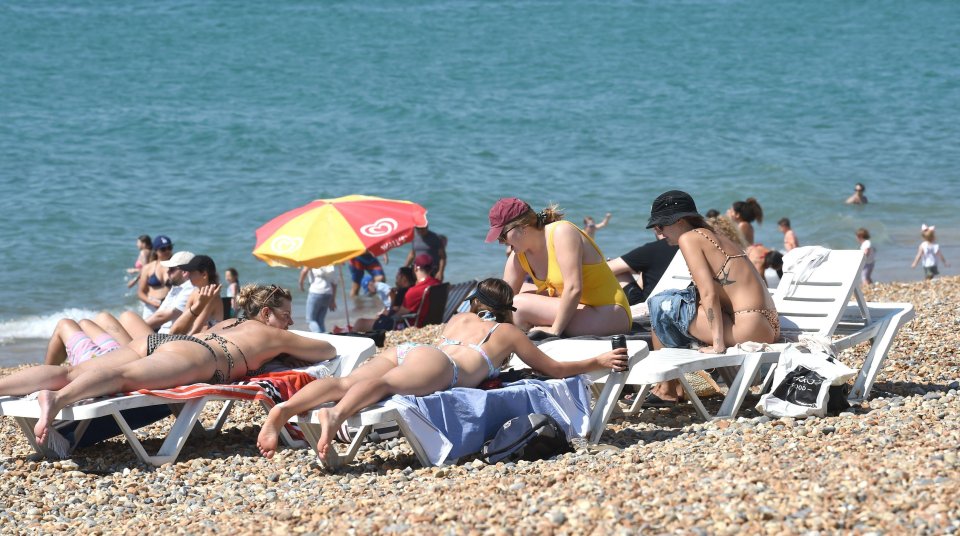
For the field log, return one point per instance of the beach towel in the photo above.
(456, 422)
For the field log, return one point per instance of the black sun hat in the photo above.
(669, 207)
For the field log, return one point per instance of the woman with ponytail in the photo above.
(473, 347)
(576, 292)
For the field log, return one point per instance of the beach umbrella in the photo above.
(331, 231)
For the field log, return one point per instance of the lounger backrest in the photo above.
(455, 297)
(351, 350)
(816, 304)
(676, 276)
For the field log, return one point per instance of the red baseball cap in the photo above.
(503, 212)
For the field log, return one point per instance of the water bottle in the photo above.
(619, 341)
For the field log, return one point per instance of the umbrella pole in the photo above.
(343, 286)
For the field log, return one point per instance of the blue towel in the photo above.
(456, 422)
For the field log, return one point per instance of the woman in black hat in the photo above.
(727, 303)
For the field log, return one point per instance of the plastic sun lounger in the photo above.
(351, 352)
(816, 305)
(379, 415)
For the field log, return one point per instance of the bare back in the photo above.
(735, 278)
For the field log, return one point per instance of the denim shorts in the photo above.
(671, 312)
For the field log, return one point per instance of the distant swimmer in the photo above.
(858, 198)
(590, 226)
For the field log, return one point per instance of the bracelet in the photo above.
(191, 312)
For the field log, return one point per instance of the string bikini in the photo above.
(723, 278)
(156, 340)
(493, 371)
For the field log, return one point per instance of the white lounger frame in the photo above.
(819, 305)
(352, 352)
(377, 414)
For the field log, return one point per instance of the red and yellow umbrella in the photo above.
(329, 231)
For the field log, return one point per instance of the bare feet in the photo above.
(46, 399)
(270, 433)
(328, 424)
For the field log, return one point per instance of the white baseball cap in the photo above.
(179, 258)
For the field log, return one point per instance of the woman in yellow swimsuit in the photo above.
(227, 352)
(576, 293)
(728, 302)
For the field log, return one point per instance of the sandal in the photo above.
(654, 401)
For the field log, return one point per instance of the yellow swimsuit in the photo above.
(600, 287)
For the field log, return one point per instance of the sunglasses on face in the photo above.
(165, 248)
(503, 234)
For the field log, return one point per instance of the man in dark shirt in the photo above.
(427, 242)
(650, 261)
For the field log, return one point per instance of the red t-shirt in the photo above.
(414, 295)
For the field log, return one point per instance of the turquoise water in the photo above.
(203, 120)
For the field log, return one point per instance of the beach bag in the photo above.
(529, 437)
(807, 382)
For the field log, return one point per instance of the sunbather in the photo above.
(576, 293)
(78, 341)
(230, 350)
(472, 349)
(728, 302)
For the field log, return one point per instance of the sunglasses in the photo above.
(165, 248)
(503, 234)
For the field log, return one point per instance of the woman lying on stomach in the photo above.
(227, 352)
(473, 347)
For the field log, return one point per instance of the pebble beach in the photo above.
(887, 466)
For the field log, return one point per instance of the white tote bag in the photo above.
(801, 382)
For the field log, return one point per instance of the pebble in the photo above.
(888, 466)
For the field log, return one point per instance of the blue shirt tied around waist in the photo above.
(671, 312)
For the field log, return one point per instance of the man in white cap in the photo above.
(176, 300)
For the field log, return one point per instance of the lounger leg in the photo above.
(26, 425)
(638, 401)
(873, 362)
(605, 406)
(175, 439)
(691, 393)
(740, 386)
(414, 443)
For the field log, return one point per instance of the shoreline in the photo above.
(889, 465)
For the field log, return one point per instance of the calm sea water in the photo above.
(204, 120)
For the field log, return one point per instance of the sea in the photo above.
(203, 120)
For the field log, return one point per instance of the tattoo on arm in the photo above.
(710, 316)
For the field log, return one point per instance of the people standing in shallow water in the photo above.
(858, 197)
(790, 240)
(229, 351)
(928, 252)
(473, 347)
(591, 227)
(576, 292)
(726, 304)
(869, 256)
(743, 214)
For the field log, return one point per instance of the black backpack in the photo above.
(529, 437)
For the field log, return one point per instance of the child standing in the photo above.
(789, 237)
(869, 256)
(928, 252)
(233, 288)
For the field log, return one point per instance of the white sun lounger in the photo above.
(380, 414)
(817, 305)
(351, 352)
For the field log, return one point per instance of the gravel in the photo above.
(887, 466)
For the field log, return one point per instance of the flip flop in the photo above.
(654, 401)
